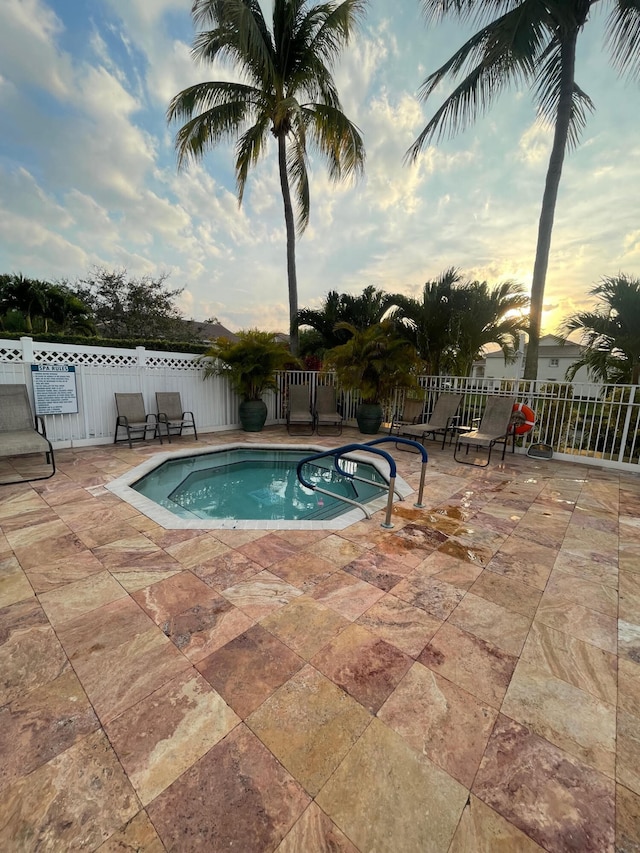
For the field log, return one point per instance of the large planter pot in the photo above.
(369, 417)
(253, 414)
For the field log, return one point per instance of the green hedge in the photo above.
(121, 343)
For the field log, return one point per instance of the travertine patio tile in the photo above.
(595, 596)
(138, 836)
(309, 724)
(190, 552)
(42, 723)
(267, 550)
(470, 662)
(482, 830)
(173, 595)
(628, 764)
(181, 721)
(315, 831)
(305, 625)
(303, 570)
(510, 594)
(226, 570)
(14, 583)
(236, 797)
(404, 626)
(261, 594)
(74, 802)
(524, 777)
(135, 553)
(249, 668)
(584, 624)
(54, 574)
(627, 821)
(447, 569)
(563, 714)
(595, 569)
(337, 550)
(440, 720)
(30, 654)
(394, 784)
(80, 597)
(581, 664)
(365, 666)
(492, 623)
(629, 609)
(347, 595)
(629, 685)
(435, 597)
(378, 569)
(521, 560)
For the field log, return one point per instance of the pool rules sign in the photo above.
(54, 389)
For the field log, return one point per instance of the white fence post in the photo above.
(27, 350)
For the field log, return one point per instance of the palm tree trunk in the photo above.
(547, 213)
(291, 245)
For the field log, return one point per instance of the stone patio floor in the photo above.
(468, 682)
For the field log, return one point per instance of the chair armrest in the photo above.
(454, 420)
(188, 413)
(150, 416)
(476, 422)
(163, 418)
(40, 426)
(122, 420)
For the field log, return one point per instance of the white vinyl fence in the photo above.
(582, 423)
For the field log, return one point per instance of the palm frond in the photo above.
(502, 53)
(240, 37)
(297, 172)
(623, 36)
(547, 93)
(336, 138)
(249, 148)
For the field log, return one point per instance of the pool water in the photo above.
(248, 483)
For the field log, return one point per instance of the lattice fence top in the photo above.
(90, 359)
(174, 362)
(8, 354)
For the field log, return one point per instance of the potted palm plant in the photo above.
(250, 364)
(374, 362)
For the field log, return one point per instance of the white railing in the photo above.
(582, 422)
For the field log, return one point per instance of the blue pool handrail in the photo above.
(338, 452)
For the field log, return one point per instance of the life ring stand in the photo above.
(523, 418)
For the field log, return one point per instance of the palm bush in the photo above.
(249, 364)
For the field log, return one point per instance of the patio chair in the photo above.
(326, 412)
(20, 432)
(443, 421)
(412, 411)
(134, 420)
(495, 427)
(172, 415)
(299, 412)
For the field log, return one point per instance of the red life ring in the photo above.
(523, 418)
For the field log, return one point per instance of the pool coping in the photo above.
(121, 487)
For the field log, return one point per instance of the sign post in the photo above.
(54, 389)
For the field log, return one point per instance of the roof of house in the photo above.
(550, 346)
(209, 331)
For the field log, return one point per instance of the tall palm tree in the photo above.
(26, 295)
(611, 333)
(531, 41)
(287, 90)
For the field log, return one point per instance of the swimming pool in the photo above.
(257, 486)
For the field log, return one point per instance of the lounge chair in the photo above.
(299, 413)
(172, 415)
(495, 427)
(134, 420)
(20, 432)
(412, 412)
(443, 421)
(326, 411)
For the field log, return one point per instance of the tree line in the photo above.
(108, 303)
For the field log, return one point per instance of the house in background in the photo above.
(554, 359)
(208, 332)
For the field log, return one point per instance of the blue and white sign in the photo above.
(54, 389)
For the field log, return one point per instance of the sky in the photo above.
(88, 171)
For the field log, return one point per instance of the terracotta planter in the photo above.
(253, 414)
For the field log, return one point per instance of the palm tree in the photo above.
(287, 90)
(358, 312)
(26, 295)
(426, 322)
(532, 41)
(487, 316)
(611, 333)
